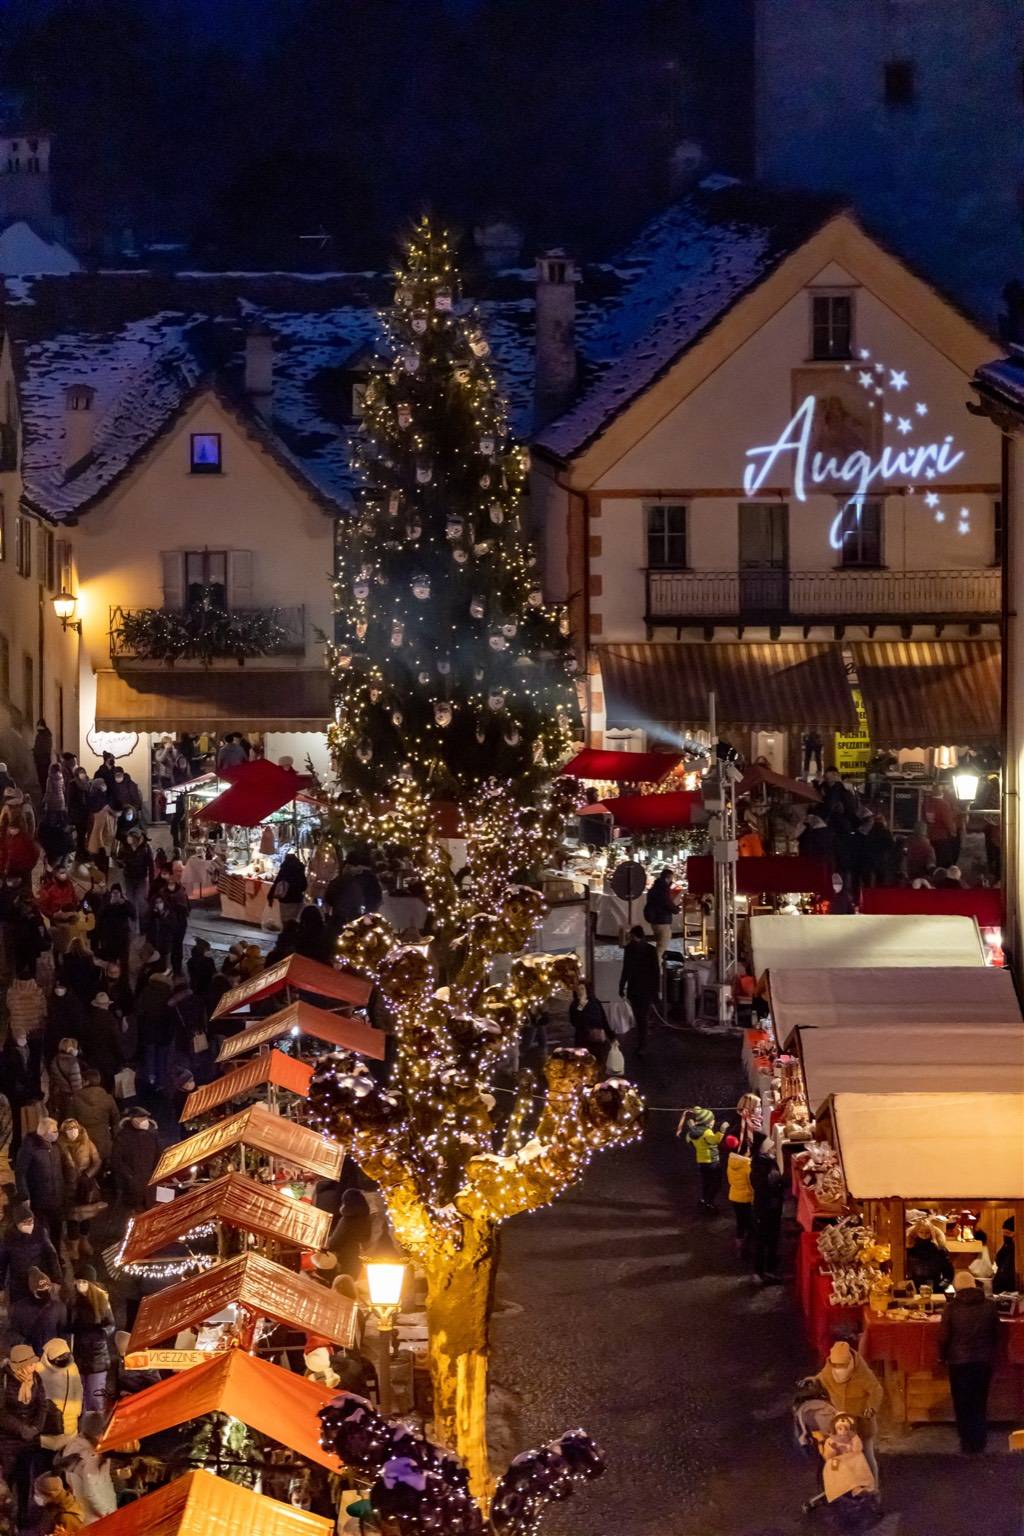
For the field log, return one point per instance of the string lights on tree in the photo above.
(456, 703)
(418, 1489)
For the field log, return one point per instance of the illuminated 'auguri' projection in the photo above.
(859, 469)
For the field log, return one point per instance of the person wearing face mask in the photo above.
(21, 1072)
(851, 1386)
(135, 1155)
(39, 1172)
(62, 1383)
(64, 1018)
(92, 1329)
(54, 1511)
(101, 1040)
(40, 1316)
(113, 933)
(58, 902)
(65, 1077)
(78, 808)
(81, 1171)
(87, 1470)
(25, 1246)
(176, 898)
(79, 971)
(137, 864)
(97, 1113)
(22, 1416)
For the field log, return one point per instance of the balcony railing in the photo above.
(206, 634)
(850, 595)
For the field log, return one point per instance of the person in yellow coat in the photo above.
(741, 1191)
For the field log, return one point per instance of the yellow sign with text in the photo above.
(853, 753)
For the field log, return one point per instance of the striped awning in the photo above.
(928, 693)
(761, 686)
(188, 698)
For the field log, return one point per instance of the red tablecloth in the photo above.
(824, 1323)
(915, 1346)
(809, 1209)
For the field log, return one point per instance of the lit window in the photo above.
(204, 455)
(666, 537)
(861, 529)
(899, 83)
(831, 325)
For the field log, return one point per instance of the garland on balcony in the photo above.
(203, 632)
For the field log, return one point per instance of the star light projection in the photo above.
(899, 380)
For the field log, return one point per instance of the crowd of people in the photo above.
(108, 1003)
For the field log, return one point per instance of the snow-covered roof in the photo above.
(146, 343)
(1003, 380)
(682, 274)
(23, 253)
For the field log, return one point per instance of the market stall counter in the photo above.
(930, 1168)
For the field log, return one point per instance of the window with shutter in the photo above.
(240, 584)
(172, 563)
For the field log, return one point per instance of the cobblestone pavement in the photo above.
(624, 1311)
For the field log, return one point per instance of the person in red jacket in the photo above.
(943, 826)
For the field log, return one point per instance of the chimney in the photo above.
(79, 424)
(555, 365)
(259, 370)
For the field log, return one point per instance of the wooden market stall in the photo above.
(272, 1401)
(937, 1153)
(232, 1201)
(302, 1022)
(255, 1287)
(272, 1071)
(200, 1504)
(293, 976)
(258, 1129)
(913, 1058)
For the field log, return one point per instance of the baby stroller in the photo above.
(846, 1487)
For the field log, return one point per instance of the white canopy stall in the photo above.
(916, 1059)
(892, 998)
(834, 942)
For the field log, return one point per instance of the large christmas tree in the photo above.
(455, 685)
(447, 663)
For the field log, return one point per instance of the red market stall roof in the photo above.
(344, 1033)
(985, 905)
(274, 1402)
(198, 1504)
(272, 1070)
(256, 791)
(654, 813)
(773, 874)
(235, 1201)
(256, 1127)
(261, 1287)
(760, 774)
(622, 767)
(301, 974)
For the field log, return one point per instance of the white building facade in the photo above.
(779, 494)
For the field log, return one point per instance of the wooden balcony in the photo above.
(836, 597)
(189, 635)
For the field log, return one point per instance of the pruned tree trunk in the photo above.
(460, 1293)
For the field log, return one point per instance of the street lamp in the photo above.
(965, 784)
(65, 606)
(385, 1276)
